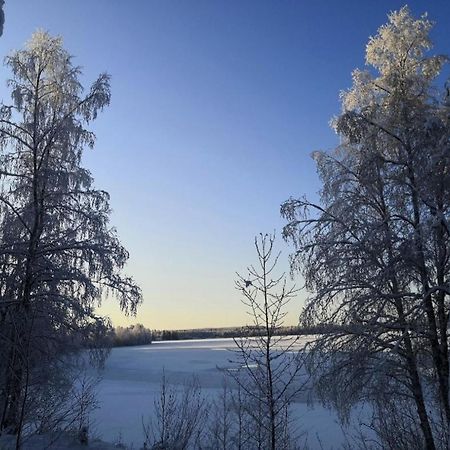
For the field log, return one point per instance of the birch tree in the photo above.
(375, 251)
(58, 254)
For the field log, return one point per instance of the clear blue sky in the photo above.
(216, 107)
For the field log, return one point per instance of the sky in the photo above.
(216, 107)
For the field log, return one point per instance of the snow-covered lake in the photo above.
(131, 383)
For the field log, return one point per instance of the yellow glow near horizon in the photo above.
(184, 316)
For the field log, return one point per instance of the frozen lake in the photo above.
(131, 383)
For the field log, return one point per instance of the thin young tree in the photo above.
(58, 254)
(375, 251)
(222, 429)
(180, 417)
(270, 362)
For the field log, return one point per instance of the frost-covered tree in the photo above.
(58, 254)
(132, 335)
(376, 250)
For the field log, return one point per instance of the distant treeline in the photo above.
(234, 332)
(139, 335)
(211, 333)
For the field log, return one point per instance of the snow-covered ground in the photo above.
(131, 383)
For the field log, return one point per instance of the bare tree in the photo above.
(180, 416)
(375, 251)
(222, 420)
(230, 423)
(241, 437)
(58, 254)
(270, 365)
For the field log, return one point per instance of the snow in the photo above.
(131, 383)
(53, 441)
